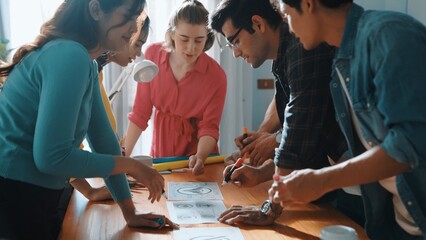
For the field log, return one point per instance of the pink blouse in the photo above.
(184, 110)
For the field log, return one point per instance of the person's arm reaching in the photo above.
(205, 146)
(261, 144)
(149, 219)
(142, 109)
(208, 126)
(104, 142)
(271, 123)
(91, 193)
(132, 136)
(304, 186)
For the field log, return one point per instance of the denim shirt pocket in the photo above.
(370, 120)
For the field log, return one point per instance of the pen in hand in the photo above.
(238, 164)
(245, 135)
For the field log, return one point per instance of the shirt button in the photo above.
(347, 79)
(342, 115)
(368, 105)
(410, 203)
(335, 85)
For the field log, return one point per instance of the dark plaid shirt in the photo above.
(304, 105)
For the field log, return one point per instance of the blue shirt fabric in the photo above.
(304, 105)
(382, 58)
(50, 102)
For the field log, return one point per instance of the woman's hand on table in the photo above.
(151, 220)
(196, 164)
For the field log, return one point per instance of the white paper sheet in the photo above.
(193, 191)
(195, 212)
(213, 233)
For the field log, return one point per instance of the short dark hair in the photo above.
(325, 3)
(241, 11)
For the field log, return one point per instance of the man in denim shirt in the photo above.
(379, 79)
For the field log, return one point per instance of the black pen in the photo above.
(236, 165)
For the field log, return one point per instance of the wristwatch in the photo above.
(269, 209)
(278, 136)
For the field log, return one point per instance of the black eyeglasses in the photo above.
(232, 38)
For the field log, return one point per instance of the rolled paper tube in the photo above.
(184, 163)
(175, 158)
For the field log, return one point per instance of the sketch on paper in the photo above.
(193, 191)
(213, 233)
(195, 212)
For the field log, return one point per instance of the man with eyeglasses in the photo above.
(302, 105)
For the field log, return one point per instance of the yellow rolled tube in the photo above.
(184, 163)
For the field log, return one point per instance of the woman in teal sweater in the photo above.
(49, 103)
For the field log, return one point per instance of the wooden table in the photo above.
(104, 220)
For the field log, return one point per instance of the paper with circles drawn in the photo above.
(193, 191)
(195, 212)
(213, 233)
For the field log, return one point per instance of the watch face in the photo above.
(265, 207)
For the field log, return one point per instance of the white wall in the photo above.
(391, 5)
(417, 9)
(261, 97)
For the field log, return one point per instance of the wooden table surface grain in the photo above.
(104, 220)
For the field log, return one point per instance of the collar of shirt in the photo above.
(346, 49)
(285, 35)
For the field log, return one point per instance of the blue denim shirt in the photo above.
(382, 58)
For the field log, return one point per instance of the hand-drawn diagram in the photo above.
(213, 233)
(194, 212)
(193, 191)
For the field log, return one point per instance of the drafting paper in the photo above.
(195, 212)
(193, 191)
(213, 233)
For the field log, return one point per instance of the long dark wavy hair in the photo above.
(72, 20)
(142, 29)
